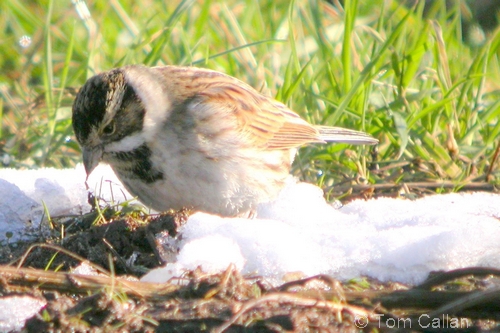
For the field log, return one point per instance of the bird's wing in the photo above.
(261, 121)
(264, 122)
(232, 108)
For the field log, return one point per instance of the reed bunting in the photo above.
(189, 137)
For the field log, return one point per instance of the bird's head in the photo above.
(109, 112)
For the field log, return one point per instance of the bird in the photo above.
(187, 137)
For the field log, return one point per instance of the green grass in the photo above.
(432, 100)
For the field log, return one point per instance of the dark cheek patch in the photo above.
(130, 117)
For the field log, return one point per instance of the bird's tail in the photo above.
(344, 135)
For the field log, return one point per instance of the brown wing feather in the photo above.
(259, 120)
(265, 124)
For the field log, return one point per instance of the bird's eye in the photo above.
(109, 129)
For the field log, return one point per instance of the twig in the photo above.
(82, 284)
(456, 274)
(470, 300)
(493, 161)
(438, 184)
(295, 301)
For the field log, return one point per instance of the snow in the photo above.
(387, 239)
(15, 310)
(24, 192)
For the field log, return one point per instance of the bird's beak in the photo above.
(91, 157)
